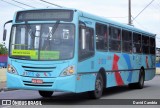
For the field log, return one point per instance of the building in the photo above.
(3, 61)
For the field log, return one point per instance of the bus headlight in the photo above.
(11, 69)
(68, 71)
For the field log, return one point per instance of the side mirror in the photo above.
(4, 34)
(5, 31)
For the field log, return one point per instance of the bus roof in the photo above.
(101, 19)
(114, 23)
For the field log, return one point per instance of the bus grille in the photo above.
(38, 69)
(45, 84)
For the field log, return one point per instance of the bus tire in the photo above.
(140, 83)
(46, 93)
(97, 93)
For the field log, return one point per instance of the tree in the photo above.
(3, 49)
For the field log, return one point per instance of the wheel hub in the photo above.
(98, 86)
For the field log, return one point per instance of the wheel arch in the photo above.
(143, 72)
(143, 69)
(103, 73)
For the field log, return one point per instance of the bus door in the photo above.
(86, 52)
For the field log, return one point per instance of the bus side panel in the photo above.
(85, 76)
(111, 80)
(85, 82)
(149, 67)
(135, 76)
(123, 65)
(145, 61)
(112, 62)
(136, 66)
(115, 78)
(149, 74)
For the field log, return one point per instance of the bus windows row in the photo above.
(113, 37)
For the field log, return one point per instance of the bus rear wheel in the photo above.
(97, 93)
(140, 83)
(46, 93)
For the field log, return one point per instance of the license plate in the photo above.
(37, 81)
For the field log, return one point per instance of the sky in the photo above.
(117, 10)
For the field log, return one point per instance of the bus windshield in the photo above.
(42, 41)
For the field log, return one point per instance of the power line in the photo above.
(147, 28)
(139, 24)
(23, 4)
(157, 3)
(116, 17)
(12, 4)
(143, 9)
(40, 3)
(155, 7)
(50, 3)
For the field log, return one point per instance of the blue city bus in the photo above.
(73, 51)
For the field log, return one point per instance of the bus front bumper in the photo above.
(66, 83)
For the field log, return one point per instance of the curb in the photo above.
(6, 89)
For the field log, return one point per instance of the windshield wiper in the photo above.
(30, 31)
(52, 32)
(55, 27)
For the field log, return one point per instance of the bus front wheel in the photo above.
(46, 93)
(97, 93)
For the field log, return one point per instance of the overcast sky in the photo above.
(117, 10)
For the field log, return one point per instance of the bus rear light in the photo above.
(68, 71)
(11, 69)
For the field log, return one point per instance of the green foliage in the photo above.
(3, 49)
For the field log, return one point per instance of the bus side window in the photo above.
(145, 44)
(86, 42)
(127, 41)
(152, 45)
(101, 37)
(137, 43)
(114, 39)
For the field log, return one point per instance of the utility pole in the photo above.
(129, 13)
